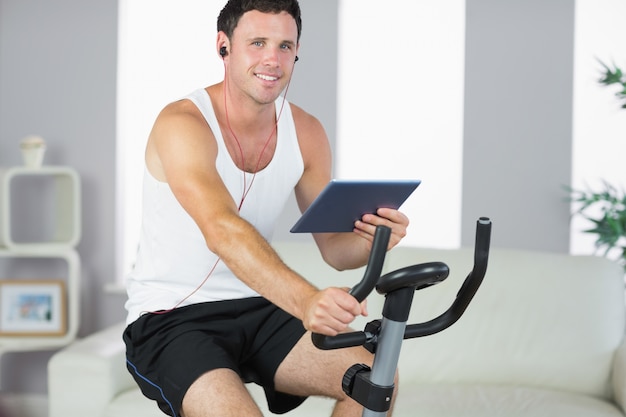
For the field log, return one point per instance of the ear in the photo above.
(222, 44)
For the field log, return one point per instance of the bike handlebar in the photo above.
(360, 291)
(467, 290)
(419, 276)
(374, 264)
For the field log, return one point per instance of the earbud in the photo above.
(296, 60)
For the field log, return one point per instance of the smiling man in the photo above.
(210, 304)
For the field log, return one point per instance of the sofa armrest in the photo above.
(619, 376)
(85, 376)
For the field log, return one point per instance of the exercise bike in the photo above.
(373, 387)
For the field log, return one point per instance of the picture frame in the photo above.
(32, 308)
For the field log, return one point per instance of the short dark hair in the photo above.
(234, 9)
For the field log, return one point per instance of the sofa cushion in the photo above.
(539, 320)
(454, 400)
(132, 403)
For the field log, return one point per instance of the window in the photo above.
(420, 122)
(166, 49)
(599, 122)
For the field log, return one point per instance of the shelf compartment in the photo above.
(72, 297)
(46, 201)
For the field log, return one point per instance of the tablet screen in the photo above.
(343, 202)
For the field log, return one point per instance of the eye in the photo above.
(285, 46)
(257, 43)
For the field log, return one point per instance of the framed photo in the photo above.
(32, 308)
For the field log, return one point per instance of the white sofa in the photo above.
(544, 336)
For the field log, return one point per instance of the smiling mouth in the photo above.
(266, 77)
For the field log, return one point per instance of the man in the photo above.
(211, 305)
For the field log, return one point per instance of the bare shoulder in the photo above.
(180, 135)
(182, 113)
(305, 122)
(311, 135)
(316, 155)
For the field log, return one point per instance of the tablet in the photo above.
(343, 202)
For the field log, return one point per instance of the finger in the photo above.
(364, 311)
(386, 216)
(393, 215)
(364, 229)
(394, 219)
(326, 324)
(329, 324)
(348, 303)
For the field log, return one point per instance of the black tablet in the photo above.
(343, 202)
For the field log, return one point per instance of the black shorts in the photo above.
(167, 352)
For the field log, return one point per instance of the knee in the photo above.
(396, 382)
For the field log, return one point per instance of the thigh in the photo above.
(167, 353)
(308, 370)
(219, 393)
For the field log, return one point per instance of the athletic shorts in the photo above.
(167, 352)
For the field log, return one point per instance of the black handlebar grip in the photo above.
(374, 264)
(468, 288)
(342, 340)
(481, 246)
(360, 291)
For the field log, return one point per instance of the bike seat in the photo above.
(418, 276)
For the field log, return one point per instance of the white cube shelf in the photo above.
(66, 225)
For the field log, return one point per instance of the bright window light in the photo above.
(166, 49)
(599, 125)
(401, 106)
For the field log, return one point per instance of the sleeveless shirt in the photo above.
(173, 259)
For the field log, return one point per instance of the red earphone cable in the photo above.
(245, 190)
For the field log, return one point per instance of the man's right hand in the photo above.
(330, 311)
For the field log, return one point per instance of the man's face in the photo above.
(262, 54)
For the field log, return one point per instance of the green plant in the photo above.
(614, 76)
(610, 227)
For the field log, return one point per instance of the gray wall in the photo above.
(314, 82)
(518, 121)
(58, 79)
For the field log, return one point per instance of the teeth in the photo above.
(266, 77)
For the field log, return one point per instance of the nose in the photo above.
(271, 57)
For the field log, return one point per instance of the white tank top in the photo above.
(173, 258)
